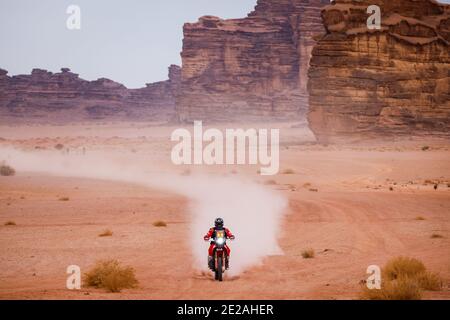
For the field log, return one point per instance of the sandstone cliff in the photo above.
(250, 68)
(393, 81)
(61, 97)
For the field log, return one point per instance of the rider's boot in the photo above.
(210, 262)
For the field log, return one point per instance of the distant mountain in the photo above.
(43, 96)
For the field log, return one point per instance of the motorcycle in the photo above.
(219, 256)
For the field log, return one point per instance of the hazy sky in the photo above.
(132, 42)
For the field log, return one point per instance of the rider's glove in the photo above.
(206, 238)
(232, 237)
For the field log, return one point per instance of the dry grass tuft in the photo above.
(59, 146)
(10, 223)
(430, 281)
(106, 233)
(6, 170)
(289, 171)
(404, 278)
(401, 289)
(270, 182)
(160, 223)
(403, 267)
(308, 254)
(64, 199)
(110, 275)
(436, 236)
(420, 218)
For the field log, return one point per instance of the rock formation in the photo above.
(237, 69)
(393, 81)
(61, 97)
(250, 68)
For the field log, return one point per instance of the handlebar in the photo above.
(211, 239)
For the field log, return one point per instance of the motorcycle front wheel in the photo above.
(219, 269)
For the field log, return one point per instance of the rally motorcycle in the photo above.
(219, 255)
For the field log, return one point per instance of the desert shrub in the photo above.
(307, 185)
(400, 289)
(289, 171)
(425, 148)
(110, 275)
(314, 190)
(403, 267)
(106, 233)
(59, 146)
(308, 254)
(420, 218)
(270, 182)
(404, 279)
(429, 281)
(6, 170)
(160, 223)
(10, 223)
(436, 236)
(64, 199)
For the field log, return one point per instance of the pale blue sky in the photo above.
(129, 41)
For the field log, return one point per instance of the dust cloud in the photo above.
(251, 211)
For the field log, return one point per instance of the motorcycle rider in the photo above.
(218, 226)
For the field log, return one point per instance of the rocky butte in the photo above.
(377, 83)
(43, 96)
(286, 59)
(254, 68)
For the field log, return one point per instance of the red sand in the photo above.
(353, 220)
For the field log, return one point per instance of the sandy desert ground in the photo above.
(355, 205)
